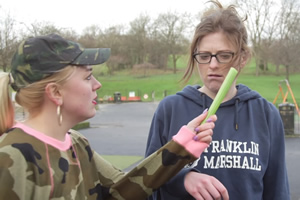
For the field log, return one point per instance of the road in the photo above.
(122, 129)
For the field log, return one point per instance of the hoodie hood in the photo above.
(243, 94)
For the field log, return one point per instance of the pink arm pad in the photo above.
(185, 138)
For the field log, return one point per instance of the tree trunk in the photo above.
(257, 68)
(287, 72)
(174, 64)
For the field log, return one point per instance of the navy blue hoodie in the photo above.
(247, 153)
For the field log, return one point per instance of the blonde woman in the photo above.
(43, 158)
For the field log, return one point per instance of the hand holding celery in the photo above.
(221, 93)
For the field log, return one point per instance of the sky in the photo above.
(77, 14)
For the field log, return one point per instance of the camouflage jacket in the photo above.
(35, 166)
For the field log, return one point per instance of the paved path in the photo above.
(122, 129)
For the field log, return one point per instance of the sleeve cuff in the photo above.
(185, 138)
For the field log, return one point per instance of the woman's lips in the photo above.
(94, 101)
(214, 76)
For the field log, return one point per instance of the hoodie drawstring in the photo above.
(204, 102)
(236, 113)
(236, 118)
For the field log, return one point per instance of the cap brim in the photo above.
(92, 56)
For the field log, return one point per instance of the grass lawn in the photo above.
(268, 86)
(161, 83)
(122, 162)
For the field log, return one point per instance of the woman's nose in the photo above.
(97, 85)
(213, 62)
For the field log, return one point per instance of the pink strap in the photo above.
(185, 138)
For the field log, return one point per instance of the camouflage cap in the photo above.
(39, 57)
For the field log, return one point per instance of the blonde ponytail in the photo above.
(6, 105)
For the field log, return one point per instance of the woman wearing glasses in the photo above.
(246, 158)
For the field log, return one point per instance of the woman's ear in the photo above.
(53, 93)
(244, 59)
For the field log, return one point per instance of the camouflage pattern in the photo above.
(33, 169)
(39, 57)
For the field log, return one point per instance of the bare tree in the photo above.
(158, 51)
(90, 36)
(287, 41)
(260, 26)
(170, 29)
(8, 41)
(114, 37)
(70, 34)
(38, 28)
(138, 35)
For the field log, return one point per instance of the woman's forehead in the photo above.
(215, 41)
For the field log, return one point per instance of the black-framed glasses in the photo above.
(222, 57)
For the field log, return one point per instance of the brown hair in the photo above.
(219, 19)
